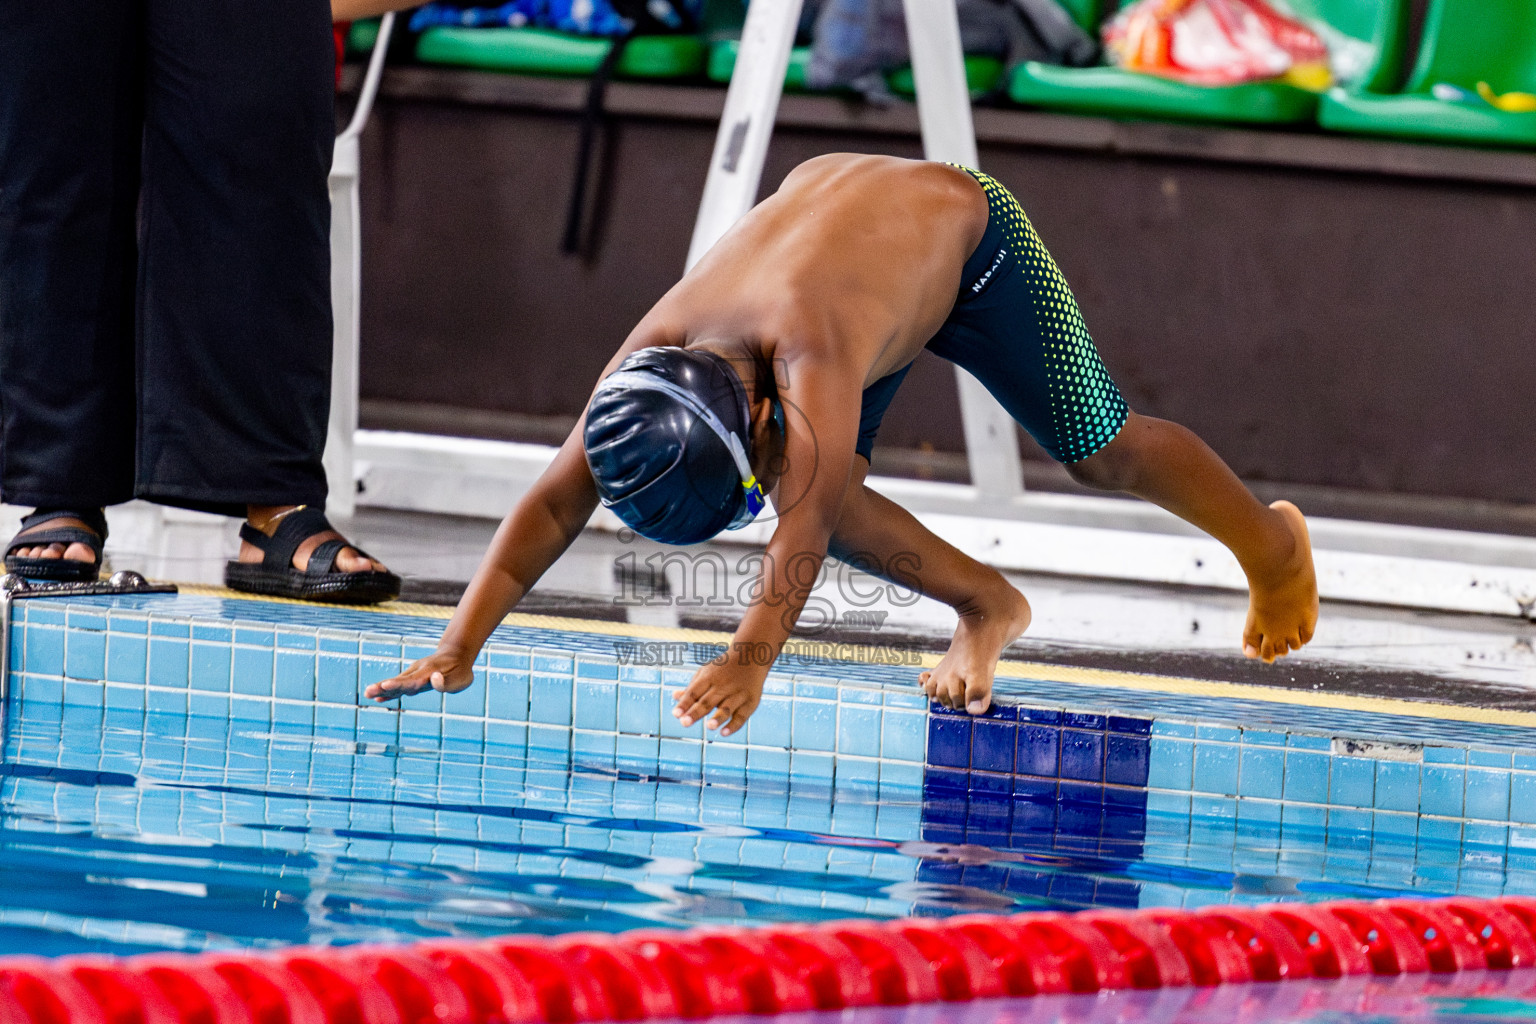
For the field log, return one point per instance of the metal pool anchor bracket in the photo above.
(15, 588)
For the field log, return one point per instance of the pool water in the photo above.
(127, 831)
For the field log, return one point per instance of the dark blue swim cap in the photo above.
(658, 462)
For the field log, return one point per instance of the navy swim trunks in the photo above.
(1016, 328)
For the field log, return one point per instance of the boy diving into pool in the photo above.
(765, 372)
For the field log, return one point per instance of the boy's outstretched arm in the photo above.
(1169, 466)
(535, 533)
(538, 530)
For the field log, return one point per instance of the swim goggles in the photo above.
(752, 492)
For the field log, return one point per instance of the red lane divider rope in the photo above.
(703, 972)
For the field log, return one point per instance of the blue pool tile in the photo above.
(44, 648)
(168, 660)
(1306, 776)
(1397, 786)
(336, 677)
(992, 744)
(1039, 750)
(640, 674)
(335, 641)
(1262, 772)
(208, 705)
(1172, 762)
(858, 730)
(1445, 755)
(548, 737)
(212, 632)
(1218, 733)
(1216, 768)
(210, 667)
(85, 654)
(1305, 741)
(298, 714)
(1489, 758)
(949, 739)
(83, 693)
(1441, 790)
(293, 674)
(1487, 794)
(814, 688)
(250, 709)
(1397, 824)
(506, 693)
(1134, 726)
(1082, 754)
(766, 762)
(1262, 738)
(597, 703)
(171, 702)
(415, 726)
(777, 683)
(811, 765)
(124, 698)
(594, 666)
(552, 662)
(814, 725)
(84, 617)
(903, 735)
(1084, 720)
(248, 633)
(549, 697)
(850, 692)
(768, 726)
(639, 709)
(251, 671)
(1127, 758)
(169, 626)
(294, 639)
(1173, 729)
(1439, 831)
(343, 721)
(1522, 797)
(1039, 716)
(1353, 782)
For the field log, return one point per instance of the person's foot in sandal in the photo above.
(62, 545)
(293, 551)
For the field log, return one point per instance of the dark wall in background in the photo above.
(1315, 326)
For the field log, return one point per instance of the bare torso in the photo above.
(861, 254)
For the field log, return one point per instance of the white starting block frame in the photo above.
(992, 519)
(944, 111)
(347, 285)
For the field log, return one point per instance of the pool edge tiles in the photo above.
(281, 662)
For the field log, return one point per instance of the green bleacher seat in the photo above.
(1376, 24)
(1465, 42)
(982, 74)
(361, 36)
(537, 51)
(722, 61)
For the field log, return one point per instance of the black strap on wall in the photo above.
(593, 120)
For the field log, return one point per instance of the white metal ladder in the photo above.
(346, 284)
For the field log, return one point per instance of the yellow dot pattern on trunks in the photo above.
(1087, 408)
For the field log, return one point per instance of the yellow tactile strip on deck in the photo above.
(1067, 674)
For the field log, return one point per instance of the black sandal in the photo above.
(275, 575)
(66, 570)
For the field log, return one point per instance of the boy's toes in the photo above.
(978, 697)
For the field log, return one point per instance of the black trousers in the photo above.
(165, 312)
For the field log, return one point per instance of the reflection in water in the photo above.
(124, 832)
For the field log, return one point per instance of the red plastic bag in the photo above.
(1211, 42)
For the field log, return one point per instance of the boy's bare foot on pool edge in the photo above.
(1282, 602)
(963, 679)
